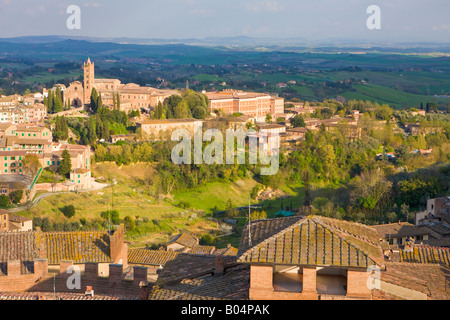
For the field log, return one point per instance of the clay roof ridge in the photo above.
(346, 241)
(362, 237)
(275, 235)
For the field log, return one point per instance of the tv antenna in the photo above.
(249, 224)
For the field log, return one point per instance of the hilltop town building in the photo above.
(132, 96)
(23, 114)
(157, 129)
(248, 103)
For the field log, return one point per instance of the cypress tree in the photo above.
(94, 98)
(66, 164)
(58, 104)
(99, 101)
(50, 102)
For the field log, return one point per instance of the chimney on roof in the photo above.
(219, 269)
(143, 293)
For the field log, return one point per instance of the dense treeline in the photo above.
(101, 126)
(189, 105)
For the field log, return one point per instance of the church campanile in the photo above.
(89, 76)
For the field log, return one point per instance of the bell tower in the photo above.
(89, 76)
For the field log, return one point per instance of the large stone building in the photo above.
(132, 96)
(158, 129)
(251, 104)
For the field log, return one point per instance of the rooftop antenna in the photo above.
(249, 224)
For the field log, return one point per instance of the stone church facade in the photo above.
(132, 96)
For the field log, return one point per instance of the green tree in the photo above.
(130, 224)
(4, 201)
(94, 100)
(66, 164)
(31, 164)
(69, 211)
(112, 215)
(58, 104)
(298, 121)
(61, 131)
(230, 210)
(16, 196)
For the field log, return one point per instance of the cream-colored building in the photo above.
(157, 129)
(251, 104)
(4, 221)
(81, 178)
(20, 224)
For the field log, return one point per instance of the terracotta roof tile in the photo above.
(431, 279)
(185, 239)
(150, 257)
(80, 247)
(424, 254)
(310, 241)
(191, 277)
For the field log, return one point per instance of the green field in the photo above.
(391, 96)
(48, 76)
(215, 195)
(207, 78)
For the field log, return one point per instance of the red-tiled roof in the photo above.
(80, 247)
(191, 277)
(185, 239)
(430, 279)
(310, 241)
(150, 257)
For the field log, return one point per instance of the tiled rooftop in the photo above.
(431, 279)
(310, 241)
(423, 254)
(150, 257)
(58, 296)
(403, 229)
(191, 277)
(80, 247)
(199, 249)
(185, 239)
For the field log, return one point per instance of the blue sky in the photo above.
(402, 20)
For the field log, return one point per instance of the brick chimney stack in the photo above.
(219, 266)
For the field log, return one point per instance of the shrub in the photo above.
(130, 224)
(16, 196)
(184, 205)
(4, 201)
(69, 211)
(113, 215)
(206, 240)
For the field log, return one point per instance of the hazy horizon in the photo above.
(323, 20)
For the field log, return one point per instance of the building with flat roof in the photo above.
(156, 129)
(251, 104)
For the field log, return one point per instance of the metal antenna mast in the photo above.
(249, 224)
